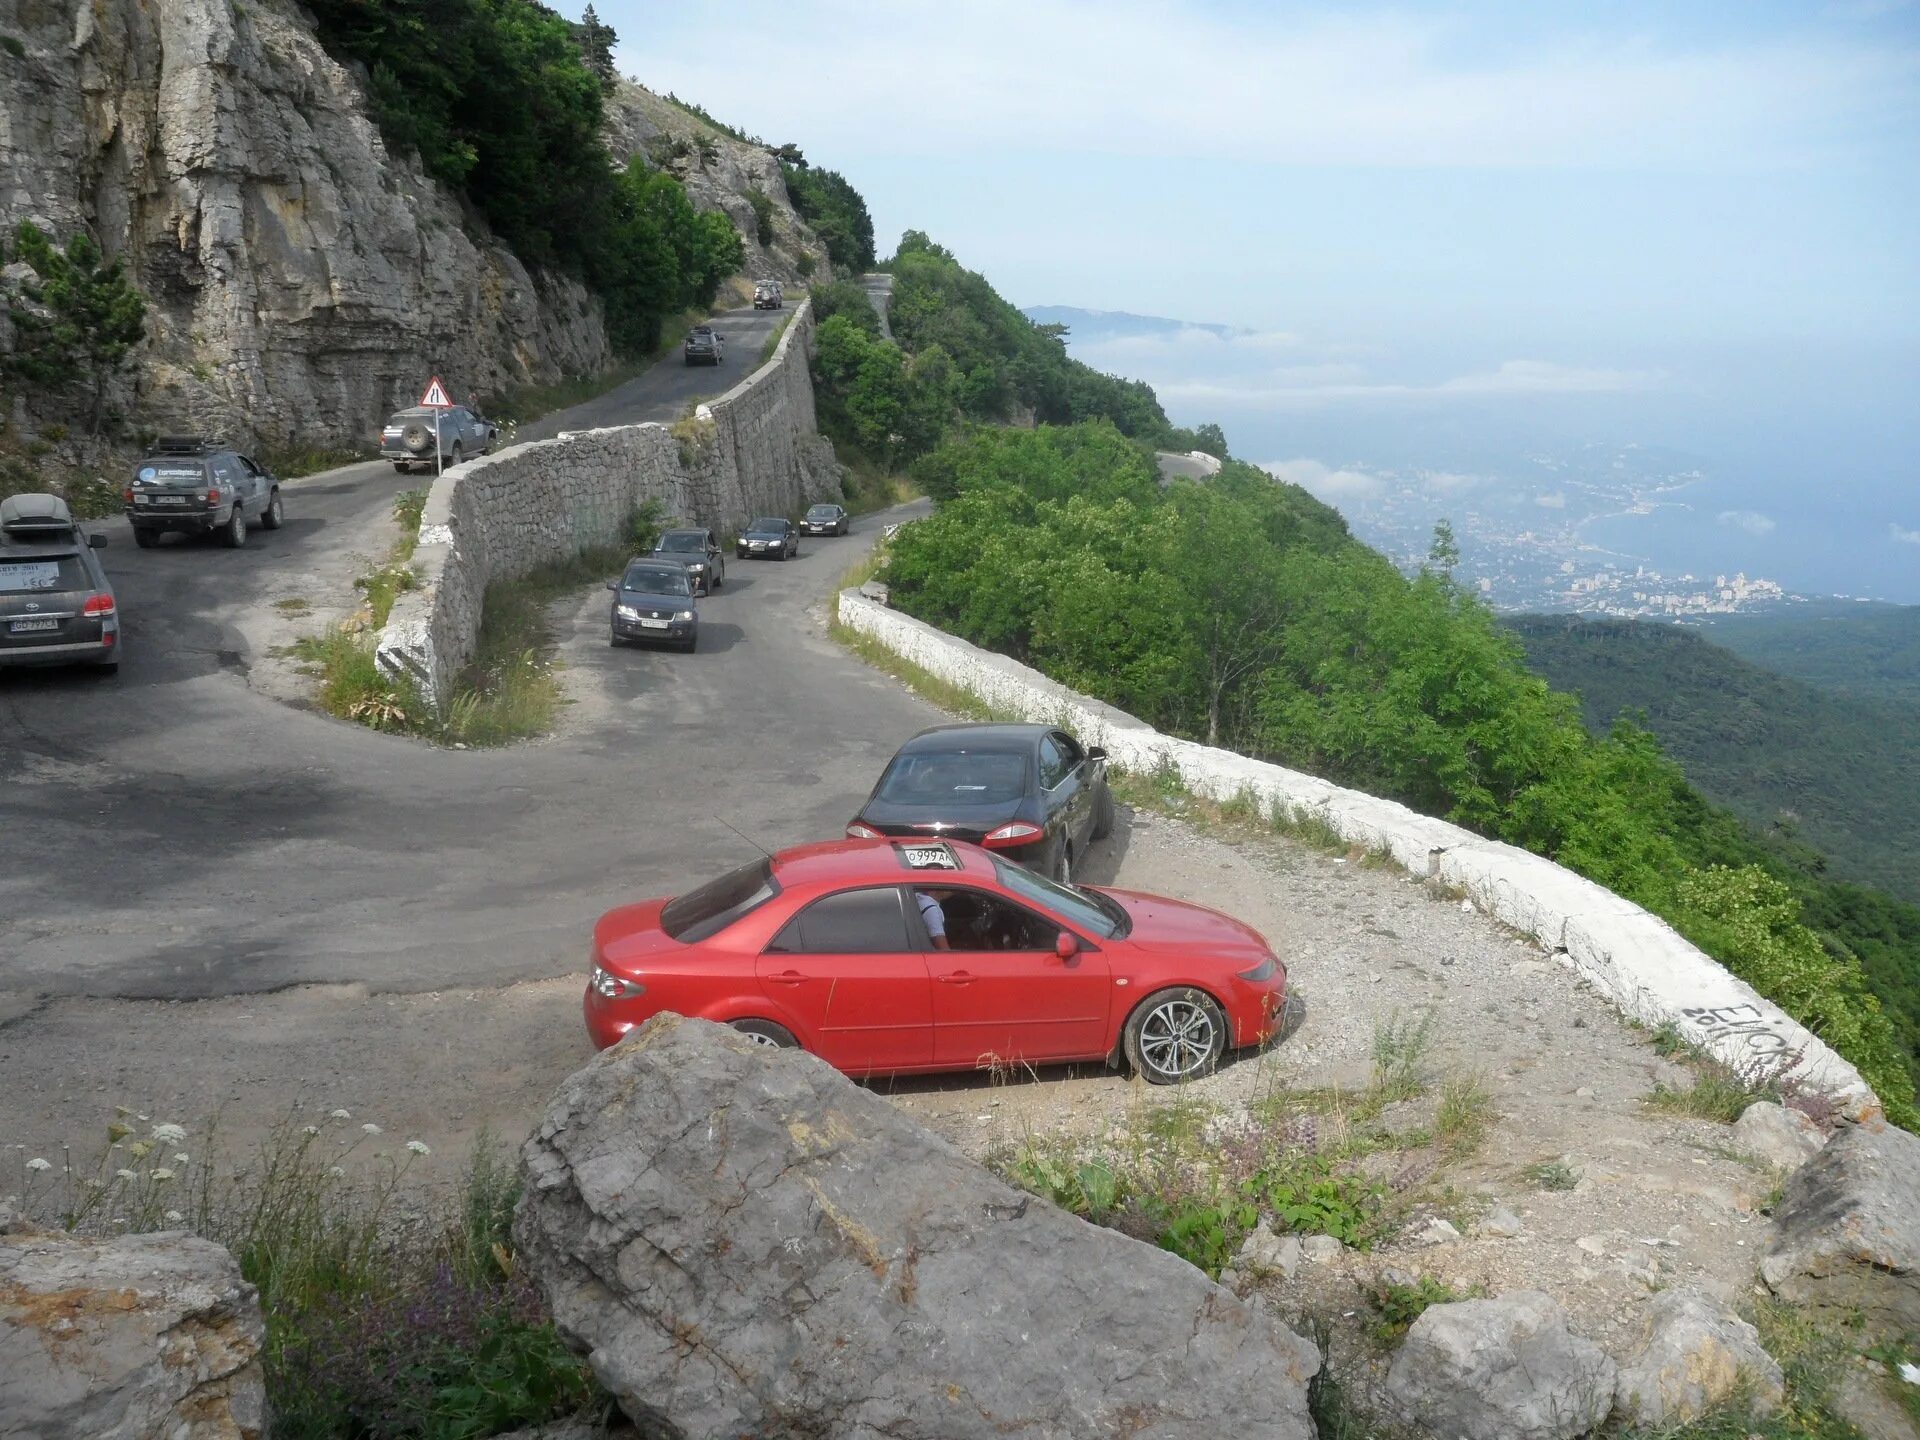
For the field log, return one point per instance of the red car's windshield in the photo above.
(718, 903)
(1087, 909)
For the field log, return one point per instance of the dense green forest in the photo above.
(503, 101)
(1869, 650)
(959, 353)
(1240, 611)
(834, 209)
(1841, 772)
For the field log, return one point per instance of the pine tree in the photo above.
(76, 321)
(597, 40)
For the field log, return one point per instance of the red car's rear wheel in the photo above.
(1175, 1036)
(765, 1032)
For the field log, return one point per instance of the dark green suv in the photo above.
(192, 486)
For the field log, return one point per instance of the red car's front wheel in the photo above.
(1175, 1036)
(765, 1032)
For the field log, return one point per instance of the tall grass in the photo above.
(385, 1319)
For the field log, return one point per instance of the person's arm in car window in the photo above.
(934, 918)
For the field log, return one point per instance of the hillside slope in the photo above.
(1842, 772)
(1872, 651)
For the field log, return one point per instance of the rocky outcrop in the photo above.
(1695, 1355)
(1503, 1369)
(1846, 1235)
(1781, 1137)
(747, 1243)
(719, 171)
(123, 1339)
(302, 279)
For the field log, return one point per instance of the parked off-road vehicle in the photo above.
(407, 439)
(188, 485)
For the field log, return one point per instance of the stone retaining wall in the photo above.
(754, 450)
(1638, 961)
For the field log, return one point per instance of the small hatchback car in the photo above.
(884, 957)
(653, 600)
(56, 605)
(199, 487)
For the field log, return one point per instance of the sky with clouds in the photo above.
(1631, 213)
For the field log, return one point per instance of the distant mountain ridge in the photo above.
(1846, 768)
(1119, 324)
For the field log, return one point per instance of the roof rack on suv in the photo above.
(35, 516)
(184, 445)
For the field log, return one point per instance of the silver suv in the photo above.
(407, 439)
(191, 486)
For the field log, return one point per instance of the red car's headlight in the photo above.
(1263, 971)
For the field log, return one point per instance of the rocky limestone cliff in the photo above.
(302, 279)
(641, 123)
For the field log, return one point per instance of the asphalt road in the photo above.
(175, 832)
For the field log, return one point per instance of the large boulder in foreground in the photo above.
(748, 1244)
(1846, 1235)
(122, 1339)
(1694, 1356)
(1501, 1369)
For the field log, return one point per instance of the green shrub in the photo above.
(762, 204)
(1396, 1306)
(835, 212)
(804, 264)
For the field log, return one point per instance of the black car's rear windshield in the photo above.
(52, 573)
(171, 472)
(682, 540)
(979, 777)
(768, 525)
(717, 904)
(655, 579)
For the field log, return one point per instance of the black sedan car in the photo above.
(1030, 792)
(699, 552)
(653, 601)
(56, 606)
(826, 520)
(768, 538)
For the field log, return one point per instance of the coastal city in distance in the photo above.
(1557, 536)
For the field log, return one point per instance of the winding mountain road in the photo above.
(178, 833)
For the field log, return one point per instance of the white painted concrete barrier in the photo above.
(1634, 958)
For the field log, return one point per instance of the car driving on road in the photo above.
(653, 601)
(56, 604)
(766, 296)
(408, 437)
(1032, 793)
(883, 957)
(699, 551)
(192, 486)
(768, 538)
(705, 346)
(826, 520)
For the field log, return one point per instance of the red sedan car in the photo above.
(887, 957)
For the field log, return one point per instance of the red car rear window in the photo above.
(717, 904)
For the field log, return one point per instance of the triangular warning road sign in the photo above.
(436, 397)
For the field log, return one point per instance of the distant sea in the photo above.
(1809, 457)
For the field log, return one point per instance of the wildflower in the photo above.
(418, 1147)
(335, 1170)
(38, 1164)
(340, 1115)
(163, 1173)
(310, 1129)
(93, 1184)
(180, 1157)
(125, 1175)
(169, 1134)
(138, 1149)
(173, 1217)
(119, 1130)
(371, 1128)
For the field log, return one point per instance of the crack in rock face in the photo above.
(747, 1243)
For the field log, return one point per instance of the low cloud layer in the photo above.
(1904, 536)
(1751, 521)
(1324, 482)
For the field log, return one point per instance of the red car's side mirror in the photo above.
(1066, 945)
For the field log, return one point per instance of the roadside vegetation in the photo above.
(386, 1318)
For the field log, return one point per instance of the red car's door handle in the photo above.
(787, 977)
(957, 977)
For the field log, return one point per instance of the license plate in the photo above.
(169, 499)
(22, 627)
(653, 624)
